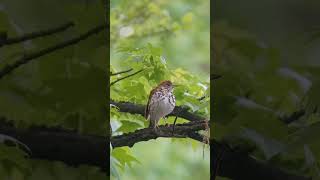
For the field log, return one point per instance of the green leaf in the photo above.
(113, 167)
(124, 156)
(187, 18)
(128, 126)
(14, 158)
(270, 147)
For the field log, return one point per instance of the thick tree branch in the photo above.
(179, 111)
(61, 145)
(27, 58)
(33, 35)
(238, 166)
(227, 162)
(181, 131)
(75, 149)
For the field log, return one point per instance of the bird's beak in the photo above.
(176, 85)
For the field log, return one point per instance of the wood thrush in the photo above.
(161, 102)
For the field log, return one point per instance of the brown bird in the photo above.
(161, 102)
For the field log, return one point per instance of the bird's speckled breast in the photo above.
(163, 107)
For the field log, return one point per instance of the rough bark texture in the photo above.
(61, 145)
(186, 130)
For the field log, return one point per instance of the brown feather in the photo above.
(147, 106)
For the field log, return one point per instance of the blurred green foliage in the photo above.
(62, 89)
(180, 28)
(267, 79)
(168, 40)
(178, 160)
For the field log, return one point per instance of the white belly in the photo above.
(163, 108)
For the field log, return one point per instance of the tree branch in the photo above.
(75, 149)
(61, 145)
(27, 58)
(114, 82)
(179, 111)
(113, 74)
(294, 116)
(33, 35)
(181, 131)
(234, 165)
(215, 76)
(227, 162)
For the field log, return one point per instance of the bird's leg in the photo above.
(154, 125)
(165, 118)
(174, 123)
(156, 129)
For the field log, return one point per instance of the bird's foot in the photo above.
(157, 131)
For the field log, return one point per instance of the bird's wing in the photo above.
(146, 115)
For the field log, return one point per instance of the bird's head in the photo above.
(168, 84)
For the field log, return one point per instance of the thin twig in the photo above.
(125, 77)
(175, 120)
(296, 115)
(121, 72)
(27, 58)
(201, 98)
(215, 76)
(174, 123)
(37, 34)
